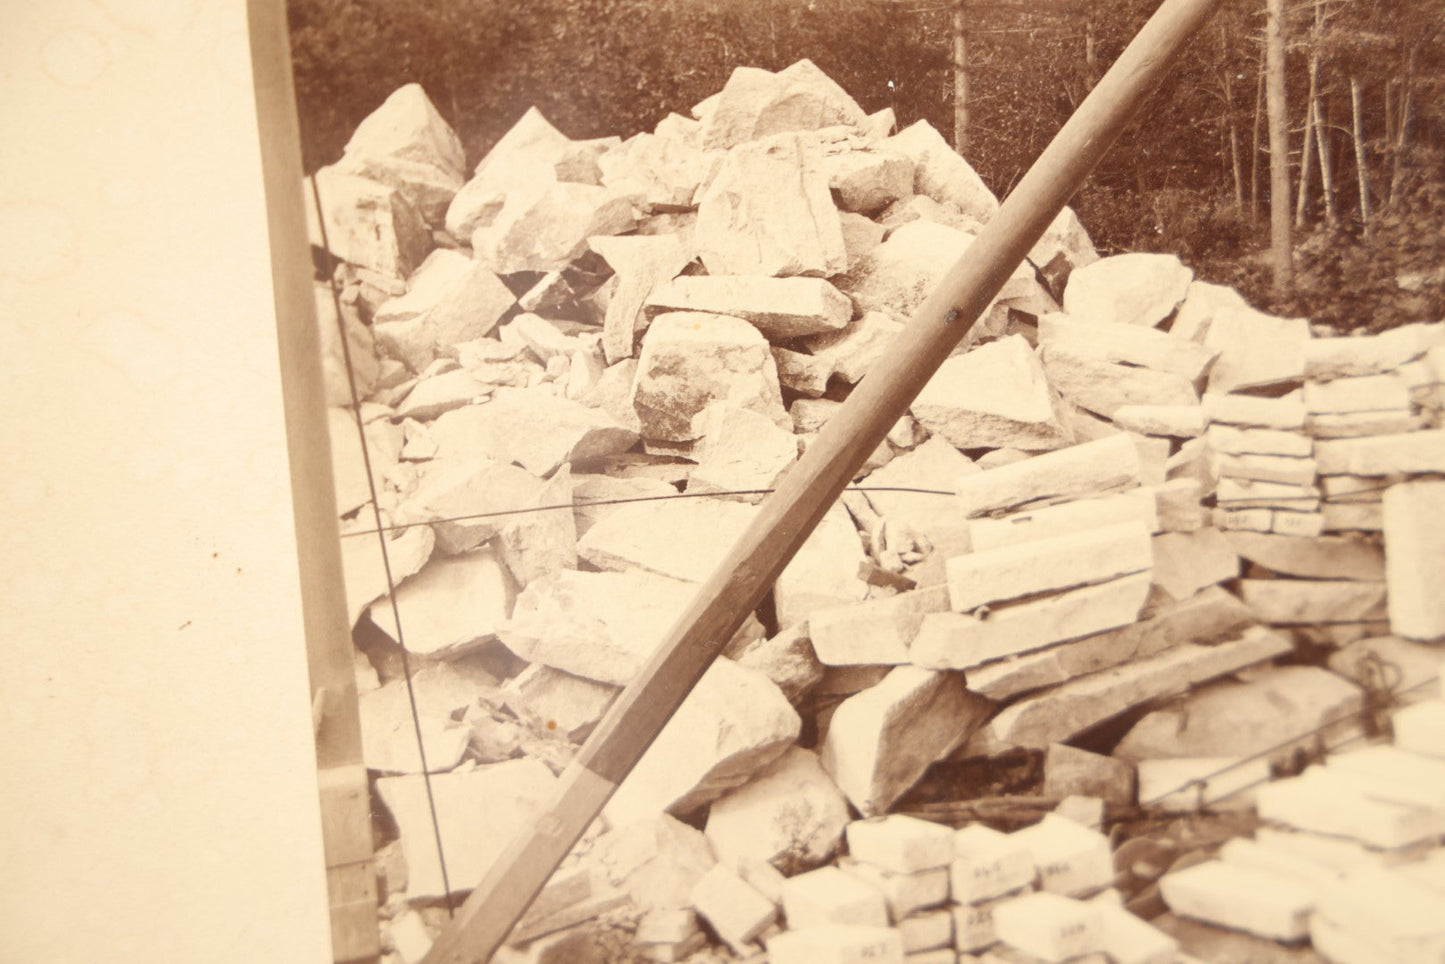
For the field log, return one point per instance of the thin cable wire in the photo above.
(385, 558)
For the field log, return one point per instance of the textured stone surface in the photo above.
(691, 361)
(1323, 557)
(542, 228)
(406, 144)
(1088, 469)
(873, 632)
(736, 912)
(786, 658)
(1414, 521)
(1077, 559)
(790, 815)
(895, 277)
(640, 263)
(1175, 421)
(868, 179)
(1285, 412)
(824, 572)
(453, 604)
(1064, 518)
(449, 299)
(777, 307)
(850, 353)
(368, 224)
(658, 173)
(900, 844)
(1073, 860)
(1121, 342)
(994, 396)
(1186, 562)
(741, 451)
(682, 538)
(655, 859)
(939, 171)
(1132, 289)
(756, 103)
(1104, 388)
(881, 740)
(1069, 771)
(1255, 349)
(1297, 601)
(829, 896)
(1240, 898)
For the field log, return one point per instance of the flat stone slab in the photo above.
(778, 307)
(962, 641)
(1321, 557)
(365, 570)
(1414, 525)
(1132, 289)
(881, 741)
(1231, 440)
(1124, 343)
(1256, 350)
(1404, 453)
(1104, 387)
(1049, 927)
(1065, 518)
(1077, 559)
(741, 455)
(1092, 468)
(1299, 602)
(1391, 915)
(1329, 802)
(1364, 393)
(1174, 421)
(1284, 469)
(453, 604)
(1240, 898)
(1058, 715)
(994, 396)
(1283, 413)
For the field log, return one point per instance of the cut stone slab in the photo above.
(1234, 493)
(905, 894)
(1072, 772)
(1286, 412)
(1294, 601)
(790, 815)
(940, 172)
(1397, 919)
(1240, 898)
(601, 626)
(537, 430)
(741, 451)
(1256, 350)
(882, 740)
(1346, 517)
(1087, 469)
(569, 704)
(1061, 714)
(451, 491)
(658, 173)
(365, 570)
(852, 352)
(994, 396)
(1073, 860)
(901, 844)
(973, 930)
(1370, 355)
(1363, 393)
(479, 812)
(961, 641)
(829, 896)
(544, 227)
(449, 299)
(452, 605)
(735, 911)
(368, 224)
(1049, 926)
(640, 263)
(1303, 525)
(930, 931)
(988, 864)
(1129, 940)
(825, 572)
(1133, 289)
(1322, 557)
(896, 277)
(1233, 718)
(1174, 421)
(1355, 424)
(682, 538)
(691, 361)
(1065, 518)
(732, 724)
(873, 632)
(1334, 803)
(769, 212)
(1104, 387)
(1395, 775)
(1077, 559)
(1408, 452)
(1229, 440)
(756, 103)
(1414, 521)
(1186, 562)
(777, 307)
(1201, 301)
(837, 944)
(1284, 469)
(1131, 344)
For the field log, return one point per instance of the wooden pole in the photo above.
(342, 783)
(1281, 243)
(808, 490)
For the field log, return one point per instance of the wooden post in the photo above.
(344, 793)
(808, 490)
(1281, 243)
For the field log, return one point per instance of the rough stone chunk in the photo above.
(1322, 557)
(524, 157)
(880, 741)
(1414, 523)
(659, 173)
(994, 396)
(1186, 562)
(1234, 718)
(987, 864)
(1342, 357)
(824, 572)
(939, 171)
(1240, 898)
(829, 896)
(1255, 349)
(452, 605)
(1297, 602)
(732, 724)
(900, 844)
(1073, 772)
(1130, 344)
(1049, 926)
(691, 361)
(406, 145)
(543, 228)
(1064, 246)
(768, 212)
(874, 632)
(571, 704)
(365, 570)
(368, 224)
(850, 353)
(895, 277)
(641, 263)
(1078, 559)
(1104, 387)
(682, 538)
(449, 491)
(479, 812)
(537, 430)
(736, 912)
(1087, 469)
(1133, 289)
(837, 944)
(433, 395)
(743, 452)
(962, 641)
(656, 860)
(868, 180)
(1201, 301)
(786, 658)
(790, 816)
(778, 307)
(935, 464)
(757, 103)
(450, 299)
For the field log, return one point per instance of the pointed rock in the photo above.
(537, 430)
(732, 724)
(525, 156)
(780, 308)
(406, 144)
(691, 361)
(993, 397)
(450, 299)
(1132, 289)
(940, 173)
(454, 604)
(1201, 301)
(641, 264)
(790, 815)
(368, 224)
(544, 228)
(768, 212)
(882, 740)
(756, 103)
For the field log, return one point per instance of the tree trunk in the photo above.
(1327, 170)
(1362, 171)
(1281, 242)
(1254, 146)
(960, 80)
(1310, 133)
(1231, 124)
(1402, 126)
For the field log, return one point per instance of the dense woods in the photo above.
(1363, 109)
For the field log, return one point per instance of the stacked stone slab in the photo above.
(1054, 535)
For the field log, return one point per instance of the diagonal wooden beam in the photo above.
(786, 518)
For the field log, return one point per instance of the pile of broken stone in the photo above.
(1129, 495)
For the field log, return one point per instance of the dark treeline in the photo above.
(1365, 108)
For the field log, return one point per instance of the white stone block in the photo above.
(736, 911)
(1077, 559)
(1255, 349)
(1394, 775)
(1329, 802)
(1174, 421)
(1049, 926)
(1391, 911)
(1189, 784)
(900, 844)
(1407, 452)
(927, 931)
(1285, 412)
(1064, 518)
(1365, 393)
(1240, 898)
(904, 894)
(1092, 468)
(1421, 728)
(1117, 341)
(1072, 860)
(988, 864)
(1285, 469)
(1129, 940)
(1232, 440)
(837, 944)
(973, 926)
(1414, 521)
(829, 896)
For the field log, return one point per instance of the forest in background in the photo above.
(1365, 108)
